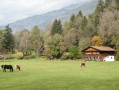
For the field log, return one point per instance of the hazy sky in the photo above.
(13, 10)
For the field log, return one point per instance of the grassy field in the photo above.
(60, 75)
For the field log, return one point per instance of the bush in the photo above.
(117, 58)
(74, 53)
(65, 56)
(10, 55)
(19, 55)
(42, 56)
(32, 56)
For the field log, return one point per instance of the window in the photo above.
(111, 57)
(87, 53)
(92, 52)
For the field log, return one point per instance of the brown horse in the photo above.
(83, 64)
(17, 67)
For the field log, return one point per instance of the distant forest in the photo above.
(65, 41)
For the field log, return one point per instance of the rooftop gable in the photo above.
(100, 48)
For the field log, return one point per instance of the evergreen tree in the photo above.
(100, 6)
(90, 17)
(117, 4)
(108, 2)
(59, 26)
(1, 39)
(84, 22)
(72, 17)
(97, 14)
(96, 22)
(80, 14)
(72, 21)
(56, 27)
(8, 41)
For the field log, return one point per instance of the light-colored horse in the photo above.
(17, 67)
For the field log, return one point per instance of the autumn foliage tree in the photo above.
(96, 41)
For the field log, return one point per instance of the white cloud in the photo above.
(13, 10)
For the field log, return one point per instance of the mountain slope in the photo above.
(64, 14)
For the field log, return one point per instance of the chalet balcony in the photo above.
(96, 55)
(91, 55)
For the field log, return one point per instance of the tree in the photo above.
(84, 42)
(56, 27)
(100, 6)
(70, 38)
(59, 26)
(97, 14)
(117, 4)
(80, 14)
(35, 39)
(96, 22)
(72, 17)
(24, 42)
(54, 46)
(72, 21)
(84, 22)
(1, 39)
(65, 27)
(96, 41)
(74, 53)
(108, 2)
(77, 23)
(109, 28)
(8, 41)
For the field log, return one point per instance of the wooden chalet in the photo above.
(99, 53)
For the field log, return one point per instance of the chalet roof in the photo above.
(42, 48)
(101, 48)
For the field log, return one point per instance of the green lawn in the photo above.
(60, 75)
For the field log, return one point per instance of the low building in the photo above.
(99, 53)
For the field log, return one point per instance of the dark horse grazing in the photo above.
(4, 67)
(17, 67)
(83, 64)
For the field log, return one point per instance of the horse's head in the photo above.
(2, 66)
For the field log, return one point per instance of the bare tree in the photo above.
(24, 42)
(109, 28)
(70, 38)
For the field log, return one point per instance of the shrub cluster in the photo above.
(117, 58)
(65, 56)
(19, 55)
